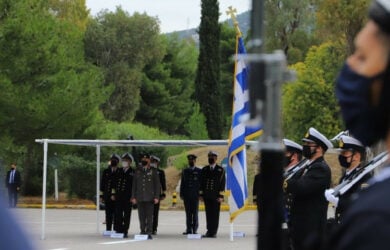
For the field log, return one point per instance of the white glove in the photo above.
(330, 197)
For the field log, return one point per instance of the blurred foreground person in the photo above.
(363, 92)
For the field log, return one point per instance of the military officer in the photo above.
(189, 193)
(108, 189)
(211, 191)
(145, 193)
(293, 156)
(350, 158)
(155, 163)
(308, 212)
(123, 195)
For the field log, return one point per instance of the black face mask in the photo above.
(191, 163)
(211, 161)
(287, 160)
(144, 163)
(114, 163)
(307, 152)
(344, 162)
(366, 122)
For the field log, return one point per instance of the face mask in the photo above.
(307, 152)
(114, 163)
(365, 122)
(191, 163)
(144, 163)
(344, 162)
(287, 160)
(153, 165)
(211, 161)
(125, 164)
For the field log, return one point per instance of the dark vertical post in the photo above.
(265, 78)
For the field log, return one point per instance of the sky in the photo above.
(174, 15)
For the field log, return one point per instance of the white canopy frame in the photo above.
(113, 143)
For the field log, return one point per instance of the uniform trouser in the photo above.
(191, 206)
(12, 196)
(145, 215)
(212, 207)
(110, 213)
(122, 215)
(156, 210)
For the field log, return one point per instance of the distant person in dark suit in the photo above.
(13, 182)
(155, 163)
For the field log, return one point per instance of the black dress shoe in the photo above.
(154, 232)
(209, 236)
(150, 237)
(187, 232)
(125, 235)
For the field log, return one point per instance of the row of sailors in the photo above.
(307, 192)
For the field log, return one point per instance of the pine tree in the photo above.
(207, 85)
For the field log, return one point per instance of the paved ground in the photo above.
(77, 229)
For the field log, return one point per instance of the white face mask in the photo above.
(125, 164)
(153, 165)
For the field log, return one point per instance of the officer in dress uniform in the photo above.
(155, 163)
(108, 187)
(308, 212)
(351, 156)
(363, 93)
(13, 181)
(189, 193)
(123, 195)
(211, 191)
(145, 193)
(293, 155)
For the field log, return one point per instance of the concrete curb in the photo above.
(93, 207)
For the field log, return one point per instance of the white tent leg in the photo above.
(97, 187)
(45, 146)
(231, 232)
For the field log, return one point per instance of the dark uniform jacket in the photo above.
(212, 183)
(309, 207)
(190, 183)
(146, 184)
(161, 175)
(124, 184)
(345, 199)
(17, 180)
(108, 183)
(366, 223)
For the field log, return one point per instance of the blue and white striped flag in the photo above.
(237, 182)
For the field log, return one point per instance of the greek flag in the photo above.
(237, 182)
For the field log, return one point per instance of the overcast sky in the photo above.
(174, 15)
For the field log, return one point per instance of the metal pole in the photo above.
(56, 184)
(97, 187)
(45, 146)
(266, 75)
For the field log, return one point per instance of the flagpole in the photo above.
(232, 13)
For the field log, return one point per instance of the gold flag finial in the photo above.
(232, 13)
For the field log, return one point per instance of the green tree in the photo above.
(122, 45)
(289, 27)
(74, 11)
(196, 125)
(167, 87)
(310, 101)
(207, 84)
(227, 48)
(46, 88)
(345, 18)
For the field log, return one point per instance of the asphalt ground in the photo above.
(71, 229)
